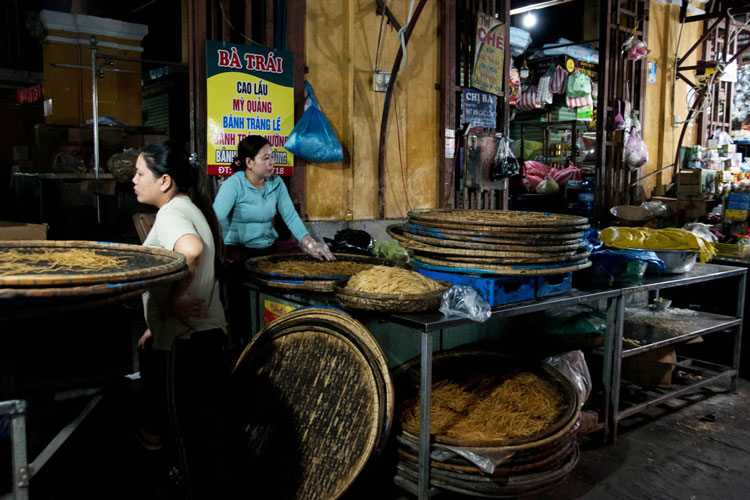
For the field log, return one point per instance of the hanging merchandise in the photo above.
(313, 137)
(619, 123)
(529, 99)
(634, 49)
(505, 164)
(559, 79)
(544, 89)
(524, 73)
(578, 102)
(635, 153)
(515, 86)
(579, 85)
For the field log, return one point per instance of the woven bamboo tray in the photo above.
(254, 263)
(333, 320)
(549, 259)
(141, 263)
(495, 269)
(507, 487)
(508, 231)
(389, 302)
(509, 236)
(314, 406)
(501, 218)
(519, 256)
(450, 364)
(399, 232)
(323, 286)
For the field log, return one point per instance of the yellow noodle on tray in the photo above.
(484, 408)
(392, 280)
(14, 262)
(302, 268)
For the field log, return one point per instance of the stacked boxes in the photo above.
(737, 207)
(696, 182)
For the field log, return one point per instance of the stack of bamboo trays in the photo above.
(520, 465)
(497, 242)
(315, 399)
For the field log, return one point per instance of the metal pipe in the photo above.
(537, 6)
(425, 404)
(95, 107)
(111, 70)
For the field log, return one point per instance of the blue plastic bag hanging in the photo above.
(313, 138)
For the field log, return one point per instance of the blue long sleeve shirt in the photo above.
(246, 213)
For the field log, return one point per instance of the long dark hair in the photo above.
(167, 157)
(249, 148)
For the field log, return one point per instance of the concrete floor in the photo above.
(695, 448)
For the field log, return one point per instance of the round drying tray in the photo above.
(328, 270)
(498, 218)
(525, 260)
(506, 231)
(22, 265)
(314, 390)
(461, 364)
(400, 233)
(507, 235)
(494, 269)
(389, 302)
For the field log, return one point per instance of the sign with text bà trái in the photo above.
(249, 91)
(489, 62)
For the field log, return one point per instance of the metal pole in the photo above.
(95, 106)
(424, 413)
(16, 408)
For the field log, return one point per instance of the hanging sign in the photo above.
(489, 61)
(479, 109)
(249, 91)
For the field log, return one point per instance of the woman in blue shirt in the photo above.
(247, 202)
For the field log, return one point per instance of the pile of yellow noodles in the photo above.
(484, 408)
(302, 268)
(394, 280)
(13, 262)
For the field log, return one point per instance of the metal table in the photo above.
(427, 323)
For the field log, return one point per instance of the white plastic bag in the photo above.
(547, 186)
(464, 301)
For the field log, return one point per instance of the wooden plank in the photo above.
(448, 77)
(296, 44)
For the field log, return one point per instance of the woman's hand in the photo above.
(314, 249)
(184, 307)
(144, 338)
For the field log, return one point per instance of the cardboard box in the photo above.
(22, 231)
(735, 214)
(738, 201)
(704, 178)
(652, 368)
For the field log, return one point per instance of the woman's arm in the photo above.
(224, 203)
(181, 304)
(286, 209)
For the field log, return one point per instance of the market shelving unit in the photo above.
(435, 326)
(702, 323)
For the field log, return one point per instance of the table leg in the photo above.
(16, 409)
(616, 366)
(738, 335)
(425, 396)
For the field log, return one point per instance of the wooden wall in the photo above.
(70, 89)
(341, 47)
(659, 133)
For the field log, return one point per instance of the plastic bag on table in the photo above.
(312, 137)
(701, 230)
(351, 241)
(572, 320)
(485, 459)
(465, 302)
(547, 186)
(573, 366)
(658, 208)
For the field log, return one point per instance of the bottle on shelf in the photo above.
(586, 199)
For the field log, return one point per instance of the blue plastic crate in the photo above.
(497, 290)
(553, 284)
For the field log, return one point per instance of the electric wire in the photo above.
(226, 19)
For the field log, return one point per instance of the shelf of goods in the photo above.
(642, 330)
(435, 333)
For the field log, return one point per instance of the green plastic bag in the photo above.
(579, 85)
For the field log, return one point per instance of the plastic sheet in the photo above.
(573, 366)
(465, 302)
(353, 241)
